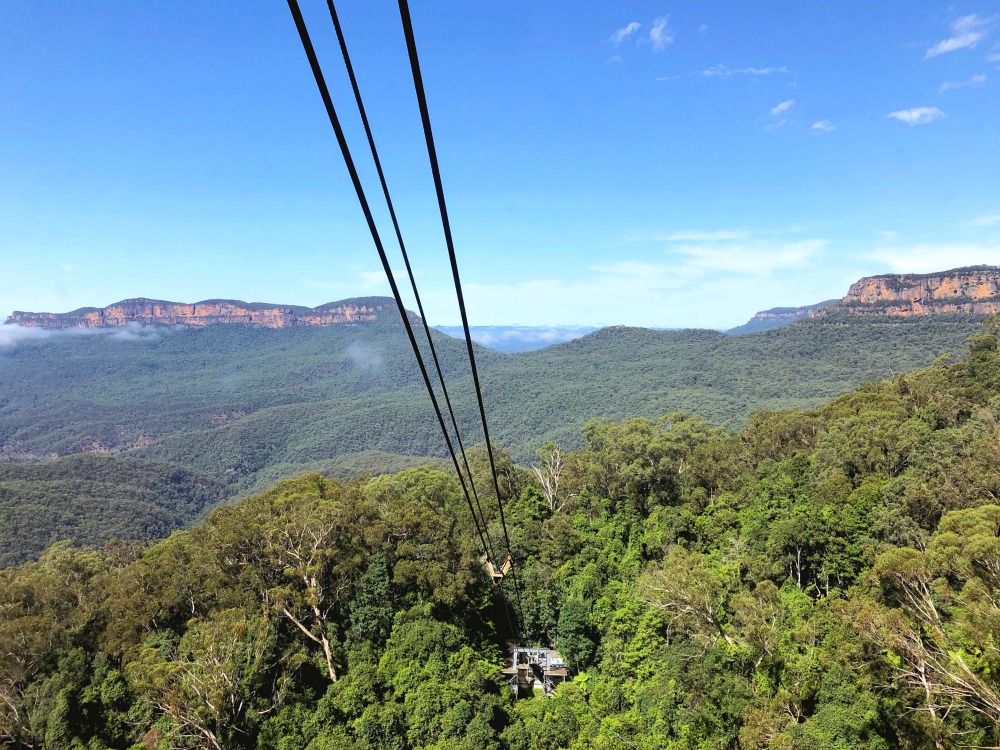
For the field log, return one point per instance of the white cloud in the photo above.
(668, 78)
(625, 32)
(689, 235)
(928, 258)
(660, 34)
(722, 71)
(68, 267)
(775, 125)
(697, 235)
(994, 54)
(986, 221)
(11, 335)
(918, 115)
(888, 234)
(786, 105)
(975, 81)
(650, 276)
(667, 289)
(823, 126)
(967, 32)
(613, 60)
(372, 280)
(363, 282)
(752, 258)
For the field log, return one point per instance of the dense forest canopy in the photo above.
(199, 417)
(93, 499)
(826, 578)
(251, 406)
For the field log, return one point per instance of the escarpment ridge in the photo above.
(207, 312)
(973, 289)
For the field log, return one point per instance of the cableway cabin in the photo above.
(534, 669)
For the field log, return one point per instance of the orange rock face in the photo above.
(209, 312)
(964, 290)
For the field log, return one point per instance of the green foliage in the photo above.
(822, 579)
(249, 407)
(92, 499)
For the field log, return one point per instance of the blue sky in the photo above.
(648, 163)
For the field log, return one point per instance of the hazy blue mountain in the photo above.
(519, 338)
(778, 317)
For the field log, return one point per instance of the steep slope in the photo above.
(250, 405)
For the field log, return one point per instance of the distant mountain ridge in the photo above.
(971, 290)
(777, 317)
(207, 312)
(519, 338)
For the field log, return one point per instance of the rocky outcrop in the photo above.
(974, 290)
(159, 312)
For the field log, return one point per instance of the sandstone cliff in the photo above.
(207, 312)
(974, 289)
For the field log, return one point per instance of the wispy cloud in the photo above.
(888, 234)
(993, 56)
(372, 279)
(660, 34)
(651, 276)
(918, 115)
(967, 32)
(723, 71)
(625, 32)
(666, 287)
(365, 356)
(786, 105)
(927, 258)
(668, 78)
(689, 235)
(970, 83)
(69, 267)
(752, 258)
(698, 235)
(364, 281)
(613, 60)
(986, 221)
(11, 335)
(823, 126)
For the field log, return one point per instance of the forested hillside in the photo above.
(252, 405)
(823, 578)
(93, 499)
